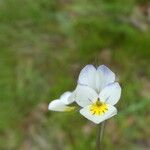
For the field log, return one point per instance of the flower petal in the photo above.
(104, 76)
(65, 98)
(87, 76)
(111, 93)
(85, 95)
(57, 105)
(98, 118)
(71, 98)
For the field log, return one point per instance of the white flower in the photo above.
(61, 103)
(97, 92)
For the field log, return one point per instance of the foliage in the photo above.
(43, 46)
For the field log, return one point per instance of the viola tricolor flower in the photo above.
(62, 103)
(96, 93)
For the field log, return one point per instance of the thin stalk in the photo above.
(100, 133)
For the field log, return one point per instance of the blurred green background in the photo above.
(43, 46)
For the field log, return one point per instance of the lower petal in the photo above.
(86, 112)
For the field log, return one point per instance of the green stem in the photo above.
(100, 135)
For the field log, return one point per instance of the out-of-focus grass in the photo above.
(43, 46)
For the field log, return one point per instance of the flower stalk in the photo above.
(100, 133)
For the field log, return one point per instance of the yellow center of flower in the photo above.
(98, 108)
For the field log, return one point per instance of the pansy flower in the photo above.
(97, 93)
(62, 103)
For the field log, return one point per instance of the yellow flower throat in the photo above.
(98, 108)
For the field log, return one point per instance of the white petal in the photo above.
(104, 76)
(98, 118)
(65, 98)
(57, 105)
(85, 95)
(87, 76)
(111, 93)
(114, 113)
(71, 98)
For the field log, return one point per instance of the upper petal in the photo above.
(104, 76)
(111, 93)
(98, 118)
(66, 98)
(87, 76)
(57, 105)
(84, 95)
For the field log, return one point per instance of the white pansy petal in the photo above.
(87, 76)
(65, 98)
(57, 105)
(98, 118)
(85, 95)
(104, 76)
(114, 113)
(111, 93)
(71, 98)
